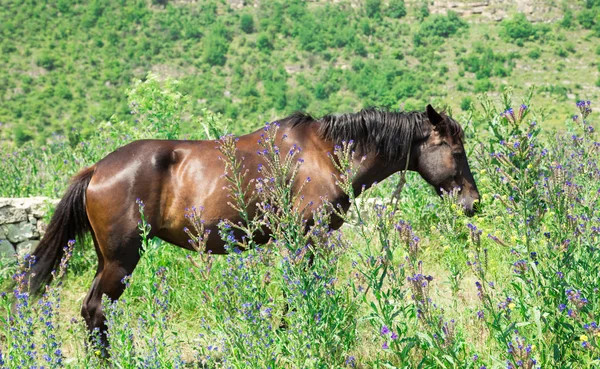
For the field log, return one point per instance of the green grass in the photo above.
(535, 241)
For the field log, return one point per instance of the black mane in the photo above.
(387, 133)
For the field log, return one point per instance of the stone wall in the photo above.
(22, 223)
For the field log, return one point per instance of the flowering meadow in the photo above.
(406, 283)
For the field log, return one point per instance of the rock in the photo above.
(236, 4)
(41, 228)
(7, 250)
(26, 247)
(20, 232)
(9, 214)
(40, 206)
(2, 235)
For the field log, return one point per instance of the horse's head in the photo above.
(442, 161)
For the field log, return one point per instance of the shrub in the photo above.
(592, 3)
(567, 20)
(465, 103)
(483, 85)
(47, 61)
(373, 8)
(263, 43)
(365, 26)
(534, 53)
(396, 9)
(587, 18)
(560, 51)
(422, 11)
(485, 63)
(247, 23)
(519, 29)
(216, 46)
(438, 27)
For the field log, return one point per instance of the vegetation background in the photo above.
(421, 286)
(68, 64)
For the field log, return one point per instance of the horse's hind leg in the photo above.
(117, 257)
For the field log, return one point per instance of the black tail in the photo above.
(68, 222)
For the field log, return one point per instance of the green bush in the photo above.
(373, 8)
(485, 63)
(263, 43)
(483, 85)
(535, 53)
(587, 18)
(592, 3)
(422, 11)
(561, 52)
(216, 46)
(437, 27)
(396, 9)
(567, 19)
(47, 61)
(247, 23)
(466, 103)
(518, 29)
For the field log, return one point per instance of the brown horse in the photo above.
(170, 176)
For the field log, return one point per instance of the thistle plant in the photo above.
(31, 324)
(550, 195)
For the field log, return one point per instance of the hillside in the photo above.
(68, 65)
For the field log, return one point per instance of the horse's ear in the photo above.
(434, 117)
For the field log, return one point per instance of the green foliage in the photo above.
(263, 43)
(535, 53)
(373, 8)
(371, 297)
(567, 20)
(483, 85)
(485, 63)
(422, 10)
(396, 9)
(466, 103)
(216, 45)
(561, 52)
(47, 60)
(160, 106)
(437, 27)
(247, 23)
(587, 18)
(68, 65)
(519, 28)
(592, 3)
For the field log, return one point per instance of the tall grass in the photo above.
(418, 285)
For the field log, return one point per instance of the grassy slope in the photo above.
(71, 68)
